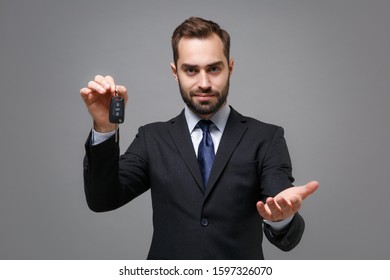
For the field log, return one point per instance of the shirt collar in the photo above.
(219, 119)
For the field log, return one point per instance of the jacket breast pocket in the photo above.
(245, 167)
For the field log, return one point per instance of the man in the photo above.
(212, 183)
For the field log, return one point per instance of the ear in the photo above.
(174, 71)
(231, 65)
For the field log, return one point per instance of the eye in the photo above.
(214, 69)
(190, 71)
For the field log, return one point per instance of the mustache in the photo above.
(208, 91)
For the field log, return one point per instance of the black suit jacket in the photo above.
(190, 221)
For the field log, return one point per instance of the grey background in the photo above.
(320, 69)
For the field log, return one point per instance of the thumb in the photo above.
(309, 188)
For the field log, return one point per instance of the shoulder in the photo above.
(254, 124)
(162, 126)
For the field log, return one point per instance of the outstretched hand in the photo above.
(286, 203)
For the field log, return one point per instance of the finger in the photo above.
(103, 82)
(276, 212)
(85, 91)
(263, 211)
(284, 205)
(95, 86)
(309, 188)
(111, 82)
(122, 91)
(86, 94)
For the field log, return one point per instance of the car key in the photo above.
(117, 111)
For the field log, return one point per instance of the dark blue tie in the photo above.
(205, 150)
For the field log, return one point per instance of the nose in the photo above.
(204, 81)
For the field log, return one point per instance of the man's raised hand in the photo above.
(97, 96)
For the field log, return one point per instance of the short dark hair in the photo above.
(196, 27)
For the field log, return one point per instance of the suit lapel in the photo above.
(182, 139)
(233, 133)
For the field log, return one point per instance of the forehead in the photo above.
(201, 51)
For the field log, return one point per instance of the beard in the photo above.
(205, 107)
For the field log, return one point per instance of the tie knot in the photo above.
(204, 125)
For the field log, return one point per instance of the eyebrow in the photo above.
(218, 63)
(187, 65)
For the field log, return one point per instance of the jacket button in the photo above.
(204, 222)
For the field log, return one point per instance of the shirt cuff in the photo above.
(281, 225)
(99, 137)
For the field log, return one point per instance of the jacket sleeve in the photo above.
(276, 173)
(111, 180)
(277, 176)
(290, 237)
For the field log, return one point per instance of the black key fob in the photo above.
(117, 110)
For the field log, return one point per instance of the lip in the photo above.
(203, 97)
